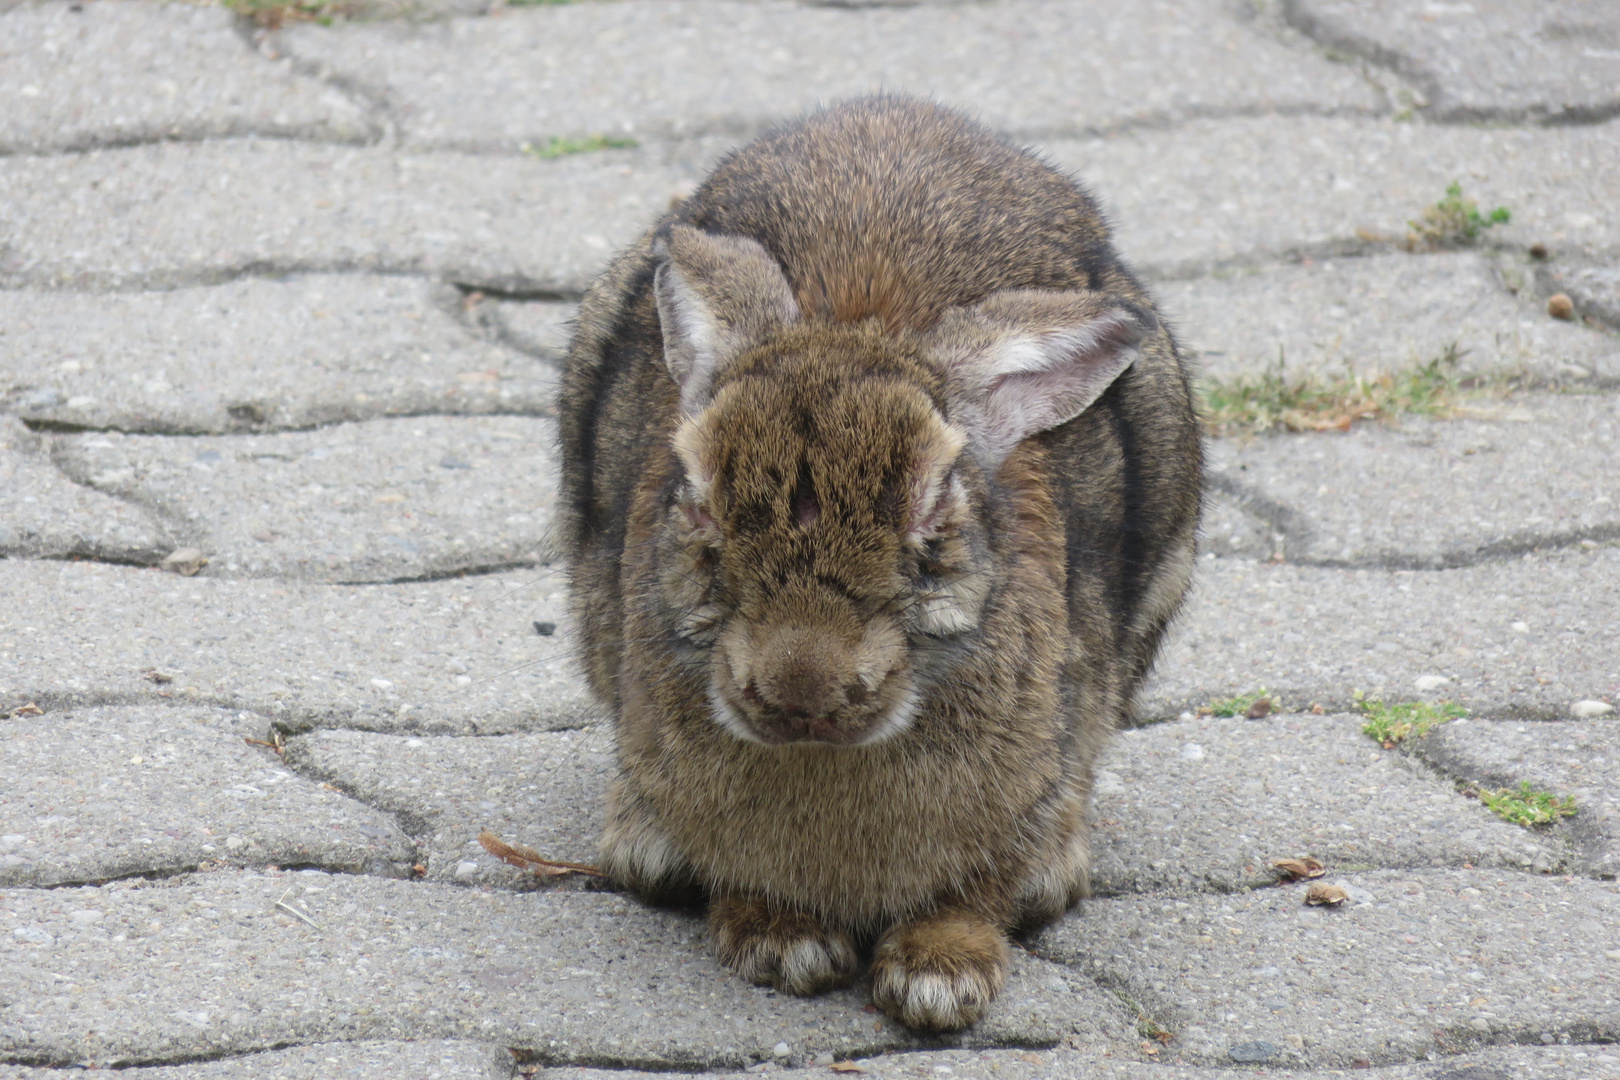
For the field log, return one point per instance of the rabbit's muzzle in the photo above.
(800, 684)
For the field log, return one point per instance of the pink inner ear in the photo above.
(807, 510)
(697, 516)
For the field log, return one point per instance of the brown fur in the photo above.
(864, 650)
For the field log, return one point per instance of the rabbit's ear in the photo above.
(1024, 361)
(717, 295)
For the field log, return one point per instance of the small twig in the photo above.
(294, 912)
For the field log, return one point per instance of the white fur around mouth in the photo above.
(897, 720)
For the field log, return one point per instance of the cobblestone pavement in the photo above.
(291, 292)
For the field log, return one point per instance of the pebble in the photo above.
(1586, 710)
(824, 1058)
(466, 869)
(780, 1050)
(1254, 1052)
(1560, 306)
(185, 561)
(1430, 682)
(1192, 752)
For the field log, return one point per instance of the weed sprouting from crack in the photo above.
(1452, 222)
(1253, 404)
(1527, 806)
(1392, 725)
(562, 146)
(272, 14)
(1240, 705)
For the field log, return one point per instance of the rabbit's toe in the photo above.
(939, 973)
(786, 949)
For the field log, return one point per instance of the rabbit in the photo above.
(881, 481)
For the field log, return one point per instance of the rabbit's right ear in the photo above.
(717, 295)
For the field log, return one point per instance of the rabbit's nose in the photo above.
(802, 689)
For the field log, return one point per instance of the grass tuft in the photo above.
(561, 146)
(1274, 400)
(1392, 725)
(1526, 806)
(271, 14)
(1452, 222)
(1239, 705)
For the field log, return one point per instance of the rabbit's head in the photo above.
(831, 541)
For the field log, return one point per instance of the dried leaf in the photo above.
(1150, 1050)
(531, 860)
(845, 1067)
(29, 709)
(1321, 893)
(159, 677)
(1298, 869)
(1260, 709)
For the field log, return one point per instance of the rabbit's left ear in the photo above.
(1024, 361)
(717, 295)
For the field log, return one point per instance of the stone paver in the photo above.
(369, 1059)
(448, 656)
(1207, 804)
(543, 791)
(98, 794)
(1385, 313)
(1244, 192)
(711, 66)
(1421, 493)
(163, 72)
(378, 500)
(298, 297)
(43, 514)
(1414, 962)
(212, 965)
(1490, 1063)
(1516, 60)
(1209, 193)
(210, 212)
(1514, 638)
(1576, 757)
(256, 355)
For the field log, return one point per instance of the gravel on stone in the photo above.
(1384, 313)
(257, 355)
(1207, 804)
(455, 656)
(98, 794)
(365, 1059)
(1524, 60)
(378, 500)
(44, 515)
(1521, 638)
(538, 328)
(163, 72)
(218, 965)
(543, 791)
(1415, 962)
(1567, 757)
(1422, 492)
(1035, 67)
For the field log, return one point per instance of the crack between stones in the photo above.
(372, 102)
(1406, 68)
(520, 287)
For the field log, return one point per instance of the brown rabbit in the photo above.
(881, 480)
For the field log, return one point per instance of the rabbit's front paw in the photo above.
(940, 972)
(786, 949)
